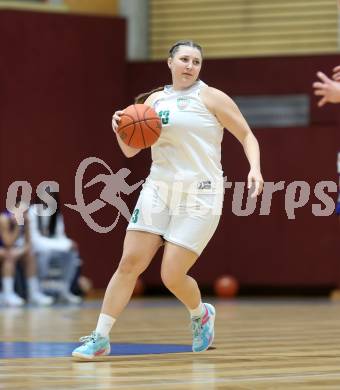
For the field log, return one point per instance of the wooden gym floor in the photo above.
(259, 344)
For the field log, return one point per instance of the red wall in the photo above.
(61, 77)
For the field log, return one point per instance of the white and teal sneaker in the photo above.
(203, 329)
(94, 346)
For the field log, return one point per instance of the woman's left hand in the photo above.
(255, 179)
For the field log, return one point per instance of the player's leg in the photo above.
(189, 231)
(142, 240)
(68, 262)
(34, 293)
(176, 263)
(138, 251)
(10, 257)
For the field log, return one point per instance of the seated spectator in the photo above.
(15, 245)
(50, 244)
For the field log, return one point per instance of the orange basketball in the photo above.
(226, 286)
(140, 126)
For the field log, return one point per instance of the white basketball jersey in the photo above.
(188, 151)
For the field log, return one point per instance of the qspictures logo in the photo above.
(297, 194)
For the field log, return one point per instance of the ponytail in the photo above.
(140, 99)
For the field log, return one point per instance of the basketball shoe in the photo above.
(203, 329)
(93, 346)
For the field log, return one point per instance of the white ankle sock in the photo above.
(8, 285)
(198, 312)
(104, 324)
(33, 286)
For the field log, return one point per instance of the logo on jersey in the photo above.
(204, 185)
(183, 102)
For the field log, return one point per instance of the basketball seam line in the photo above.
(133, 122)
(134, 106)
(155, 132)
(140, 126)
(133, 132)
(145, 120)
(141, 130)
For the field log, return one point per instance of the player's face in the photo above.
(185, 66)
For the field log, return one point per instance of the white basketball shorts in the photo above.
(187, 220)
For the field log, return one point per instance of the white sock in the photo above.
(65, 290)
(198, 312)
(104, 324)
(8, 285)
(33, 285)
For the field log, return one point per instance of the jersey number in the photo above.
(135, 215)
(164, 115)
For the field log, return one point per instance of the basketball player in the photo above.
(182, 197)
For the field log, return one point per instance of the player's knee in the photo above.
(11, 256)
(27, 254)
(131, 264)
(170, 277)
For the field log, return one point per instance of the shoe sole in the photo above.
(9, 305)
(82, 357)
(213, 316)
(40, 304)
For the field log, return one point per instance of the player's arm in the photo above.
(230, 117)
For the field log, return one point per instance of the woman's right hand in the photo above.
(116, 119)
(126, 149)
